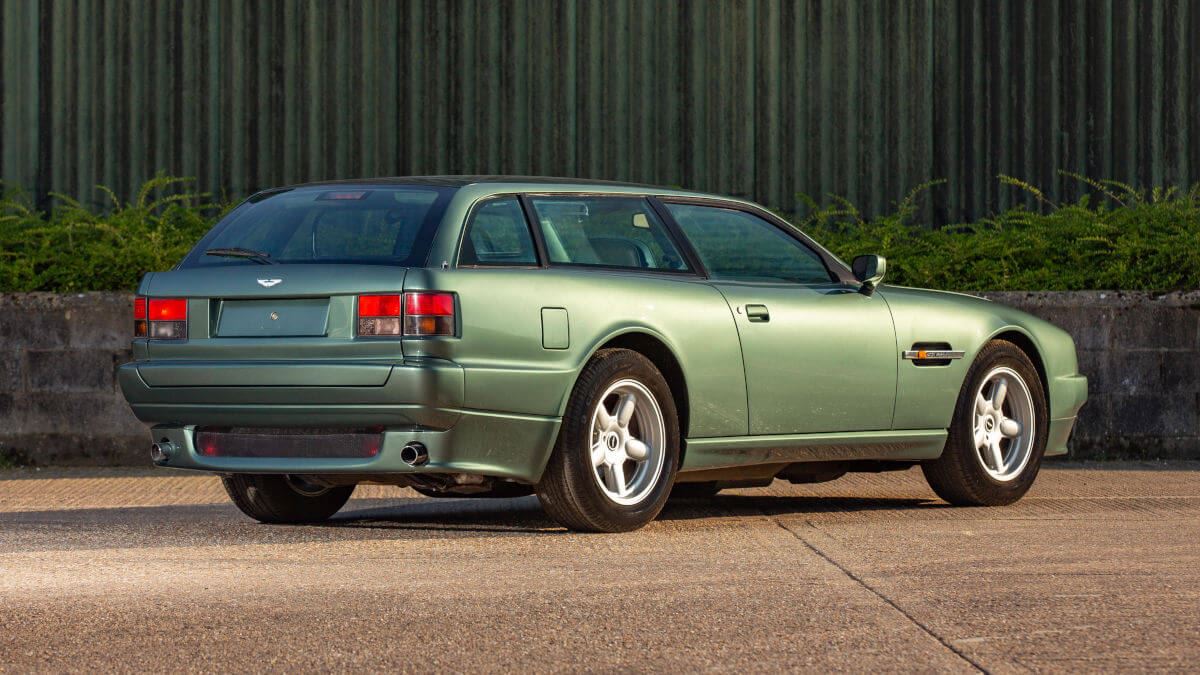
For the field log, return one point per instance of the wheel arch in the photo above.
(1025, 343)
(655, 348)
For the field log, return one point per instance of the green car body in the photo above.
(763, 373)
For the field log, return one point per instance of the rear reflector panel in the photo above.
(290, 443)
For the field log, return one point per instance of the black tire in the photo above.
(958, 476)
(272, 499)
(569, 490)
(705, 490)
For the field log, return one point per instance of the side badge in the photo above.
(932, 356)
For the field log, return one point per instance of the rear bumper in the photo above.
(426, 393)
(488, 444)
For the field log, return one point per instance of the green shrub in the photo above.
(1114, 238)
(72, 248)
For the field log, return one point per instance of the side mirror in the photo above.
(869, 270)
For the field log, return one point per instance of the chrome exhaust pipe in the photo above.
(414, 454)
(161, 452)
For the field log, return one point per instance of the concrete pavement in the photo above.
(1097, 569)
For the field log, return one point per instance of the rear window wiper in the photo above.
(235, 252)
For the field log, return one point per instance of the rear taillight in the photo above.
(409, 314)
(378, 315)
(139, 317)
(428, 313)
(166, 318)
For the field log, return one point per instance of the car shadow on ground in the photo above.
(742, 505)
(384, 518)
(521, 515)
(524, 514)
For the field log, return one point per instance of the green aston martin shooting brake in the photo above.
(601, 345)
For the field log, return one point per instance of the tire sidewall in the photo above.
(1006, 355)
(617, 366)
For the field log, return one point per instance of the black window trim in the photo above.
(538, 249)
(840, 272)
(673, 234)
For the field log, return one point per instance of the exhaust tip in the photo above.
(414, 454)
(161, 452)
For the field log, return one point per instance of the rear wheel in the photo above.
(284, 499)
(998, 434)
(618, 449)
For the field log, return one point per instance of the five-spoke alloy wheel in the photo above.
(998, 432)
(618, 449)
(1004, 423)
(628, 435)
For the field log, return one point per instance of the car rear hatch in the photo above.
(242, 313)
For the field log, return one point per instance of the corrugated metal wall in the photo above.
(756, 98)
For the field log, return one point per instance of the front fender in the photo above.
(926, 395)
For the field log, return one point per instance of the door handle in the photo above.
(758, 313)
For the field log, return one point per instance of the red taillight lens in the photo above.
(168, 309)
(167, 318)
(378, 315)
(429, 304)
(427, 313)
(378, 305)
(139, 317)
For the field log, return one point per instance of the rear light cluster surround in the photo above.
(417, 314)
(160, 318)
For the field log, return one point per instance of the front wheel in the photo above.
(998, 434)
(284, 499)
(618, 449)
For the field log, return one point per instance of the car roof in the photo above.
(516, 183)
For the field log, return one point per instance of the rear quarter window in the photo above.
(497, 235)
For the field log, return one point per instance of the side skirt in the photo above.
(712, 453)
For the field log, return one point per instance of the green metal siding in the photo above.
(761, 99)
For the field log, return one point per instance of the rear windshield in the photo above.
(390, 226)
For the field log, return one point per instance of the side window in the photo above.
(606, 231)
(736, 245)
(498, 235)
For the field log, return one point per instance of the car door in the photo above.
(819, 356)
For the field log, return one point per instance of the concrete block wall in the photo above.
(1141, 354)
(59, 402)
